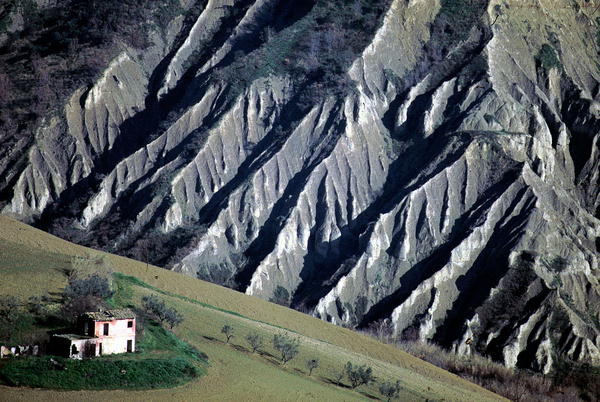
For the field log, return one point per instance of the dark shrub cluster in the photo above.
(390, 390)
(359, 375)
(93, 286)
(85, 294)
(547, 57)
(156, 309)
(281, 296)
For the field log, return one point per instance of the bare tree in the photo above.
(255, 341)
(228, 331)
(339, 376)
(288, 347)
(312, 364)
(157, 309)
(142, 251)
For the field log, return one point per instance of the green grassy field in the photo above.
(33, 263)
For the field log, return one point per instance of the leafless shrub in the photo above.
(255, 341)
(382, 330)
(158, 310)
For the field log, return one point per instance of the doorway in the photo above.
(129, 346)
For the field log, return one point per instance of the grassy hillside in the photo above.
(33, 262)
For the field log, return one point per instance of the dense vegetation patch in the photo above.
(460, 16)
(547, 58)
(156, 338)
(98, 373)
(598, 33)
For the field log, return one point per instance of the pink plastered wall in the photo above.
(118, 336)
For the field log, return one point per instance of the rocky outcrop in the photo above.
(446, 180)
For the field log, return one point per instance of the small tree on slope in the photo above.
(360, 375)
(288, 347)
(157, 309)
(390, 390)
(312, 364)
(227, 330)
(255, 341)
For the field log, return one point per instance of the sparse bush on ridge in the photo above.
(316, 49)
(510, 383)
(569, 378)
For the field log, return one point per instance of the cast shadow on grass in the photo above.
(273, 361)
(266, 354)
(64, 271)
(57, 297)
(368, 395)
(239, 348)
(334, 382)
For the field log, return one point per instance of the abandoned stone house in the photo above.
(98, 333)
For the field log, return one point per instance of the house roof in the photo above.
(109, 315)
(73, 337)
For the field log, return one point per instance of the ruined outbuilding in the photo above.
(99, 333)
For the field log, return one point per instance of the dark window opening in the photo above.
(105, 329)
(129, 324)
(89, 350)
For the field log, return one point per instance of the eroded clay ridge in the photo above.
(437, 168)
